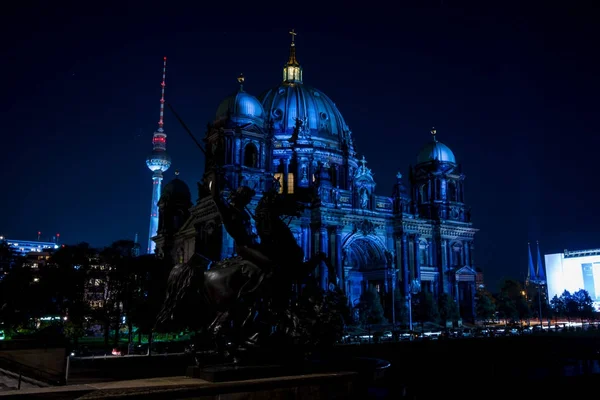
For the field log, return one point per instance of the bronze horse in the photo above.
(224, 297)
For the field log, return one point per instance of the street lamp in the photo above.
(413, 289)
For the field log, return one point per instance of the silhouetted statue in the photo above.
(233, 298)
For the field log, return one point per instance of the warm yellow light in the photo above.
(290, 183)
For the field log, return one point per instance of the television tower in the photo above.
(158, 162)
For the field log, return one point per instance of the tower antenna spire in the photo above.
(162, 96)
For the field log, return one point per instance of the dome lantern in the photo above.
(292, 71)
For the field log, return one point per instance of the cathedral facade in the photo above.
(294, 137)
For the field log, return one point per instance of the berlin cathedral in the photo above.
(293, 136)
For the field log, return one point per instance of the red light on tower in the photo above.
(58, 235)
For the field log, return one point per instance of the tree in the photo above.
(400, 307)
(116, 277)
(486, 306)
(19, 300)
(585, 304)
(426, 309)
(511, 301)
(370, 308)
(570, 305)
(448, 309)
(149, 295)
(558, 306)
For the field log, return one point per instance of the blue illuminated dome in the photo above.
(320, 115)
(435, 151)
(158, 160)
(241, 106)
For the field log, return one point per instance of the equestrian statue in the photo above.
(264, 295)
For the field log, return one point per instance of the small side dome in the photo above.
(176, 191)
(435, 151)
(240, 106)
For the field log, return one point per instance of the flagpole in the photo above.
(540, 303)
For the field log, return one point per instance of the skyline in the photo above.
(481, 80)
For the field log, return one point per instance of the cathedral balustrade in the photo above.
(384, 204)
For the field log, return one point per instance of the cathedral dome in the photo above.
(241, 106)
(176, 191)
(435, 151)
(288, 102)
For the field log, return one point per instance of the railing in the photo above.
(22, 370)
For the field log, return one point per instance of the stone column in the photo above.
(444, 267)
(306, 241)
(417, 257)
(339, 268)
(323, 246)
(467, 252)
(456, 294)
(405, 272)
(430, 255)
(286, 169)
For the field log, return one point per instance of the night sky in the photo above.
(513, 91)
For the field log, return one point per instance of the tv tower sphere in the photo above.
(158, 161)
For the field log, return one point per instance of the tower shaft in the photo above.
(157, 178)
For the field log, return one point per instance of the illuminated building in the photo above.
(294, 137)
(158, 162)
(572, 271)
(24, 247)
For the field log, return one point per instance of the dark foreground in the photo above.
(515, 367)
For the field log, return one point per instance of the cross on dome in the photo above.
(293, 33)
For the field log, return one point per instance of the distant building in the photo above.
(294, 138)
(573, 270)
(23, 247)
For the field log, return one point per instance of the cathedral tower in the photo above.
(158, 162)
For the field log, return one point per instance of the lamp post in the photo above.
(394, 271)
(414, 288)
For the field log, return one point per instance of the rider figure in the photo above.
(237, 222)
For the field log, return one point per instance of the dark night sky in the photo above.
(511, 89)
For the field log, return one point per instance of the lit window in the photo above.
(279, 177)
(290, 183)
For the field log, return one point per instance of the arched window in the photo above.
(423, 193)
(456, 254)
(423, 255)
(250, 156)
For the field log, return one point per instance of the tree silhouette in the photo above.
(448, 309)
(585, 304)
(370, 308)
(426, 309)
(486, 306)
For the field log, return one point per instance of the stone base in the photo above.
(324, 386)
(233, 372)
